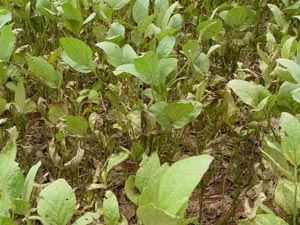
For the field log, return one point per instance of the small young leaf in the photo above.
(111, 209)
(57, 203)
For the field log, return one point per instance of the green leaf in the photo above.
(77, 54)
(284, 195)
(148, 167)
(111, 209)
(209, 28)
(140, 10)
(250, 93)
(292, 67)
(71, 13)
(237, 16)
(158, 110)
(176, 111)
(21, 207)
(189, 172)
(290, 139)
(28, 185)
(264, 219)
(114, 160)
(147, 65)
(20, 97)
(76, 125)
(57, 203)
(2, 105)
(116, 32)
(152, 215)
(7, 43)
(14, 177)
(45, 70)
(115, 55)
(7, 221)
(57, 110)
(165, 46)
(5, 16)
(289, 47)
(87, 218)
(130, 190)
(279, 17)
(175, 22)
(167, 14)
(46, 8)
(117, 4)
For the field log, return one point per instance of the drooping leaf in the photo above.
(114, 160)
(77, 54)
(57, 203)
(45, 70)
(111, 208)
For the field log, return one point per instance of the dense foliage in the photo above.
(153, 112)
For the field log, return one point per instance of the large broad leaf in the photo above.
(115, 55)
(237, 16)
(285, 195)
(165, 46)
(209, 28)
(76, 125)
(57, 203)
(147, 65)
(140, 10)
(111, 208)
(152, 215)
(292, 67)
(186, 174)
(149, 166)
(77, 54)
(250, 93)
(28, 185)
(7, 43)
(45, 70)
(177, 114)
(130, 69)
(264, 219)
(290, 140)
